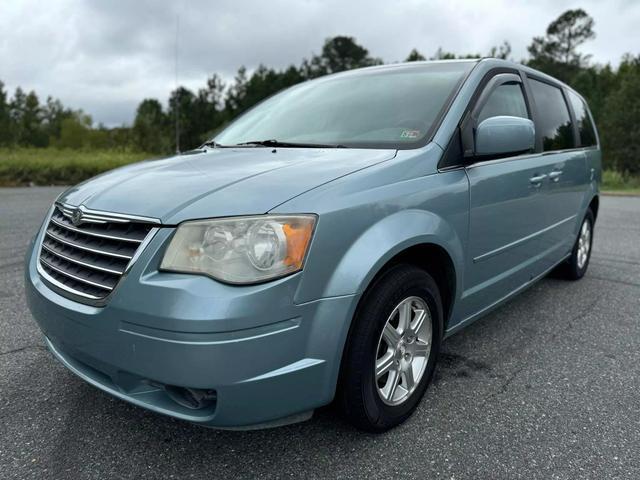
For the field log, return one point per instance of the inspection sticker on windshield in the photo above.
(410, 134)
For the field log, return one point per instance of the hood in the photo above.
(220, 182)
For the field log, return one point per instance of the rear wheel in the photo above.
(576, 265)
(392, 349)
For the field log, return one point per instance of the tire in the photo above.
(575, 267)
(371, 402)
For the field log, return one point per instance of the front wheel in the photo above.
(392, 349)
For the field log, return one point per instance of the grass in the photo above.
(620, 183)
(50, 166)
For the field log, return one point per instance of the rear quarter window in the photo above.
(553, 121)
(585, 126)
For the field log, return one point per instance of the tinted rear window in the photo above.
(585, 127)
(553, 122)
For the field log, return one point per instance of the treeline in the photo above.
(26, 122)
(613, 95)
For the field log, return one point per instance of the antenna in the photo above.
(177, 106)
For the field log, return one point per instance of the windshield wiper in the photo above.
(276, 143)
(212, 144)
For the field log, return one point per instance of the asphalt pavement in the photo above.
(547, 386)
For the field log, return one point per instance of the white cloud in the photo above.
(104, 57)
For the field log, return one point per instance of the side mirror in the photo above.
(504, 134)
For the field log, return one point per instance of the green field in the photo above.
(50, 166)
(616, 182)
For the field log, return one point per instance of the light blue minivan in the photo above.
(322, 246)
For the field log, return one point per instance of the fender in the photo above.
(386, 239)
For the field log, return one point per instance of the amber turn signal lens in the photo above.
(298, 237)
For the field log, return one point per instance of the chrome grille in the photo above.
(85, 252)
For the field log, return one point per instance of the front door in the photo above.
(509, 202)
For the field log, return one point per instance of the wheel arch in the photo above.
(436, 261)
(417, 237)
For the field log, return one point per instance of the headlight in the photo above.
(241, 249)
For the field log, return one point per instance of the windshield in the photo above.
(387, 108)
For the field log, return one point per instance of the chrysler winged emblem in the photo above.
(76, 217)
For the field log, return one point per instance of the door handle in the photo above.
(536, 181)
(555, 175)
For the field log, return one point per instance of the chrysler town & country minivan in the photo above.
(322, 246)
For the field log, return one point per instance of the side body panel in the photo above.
(510, 231)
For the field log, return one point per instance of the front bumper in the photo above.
(265, 357)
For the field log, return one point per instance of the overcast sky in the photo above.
(106, 56)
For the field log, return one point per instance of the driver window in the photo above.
(506, 99)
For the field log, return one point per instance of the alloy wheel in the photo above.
(584, 243)
(403, 350)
